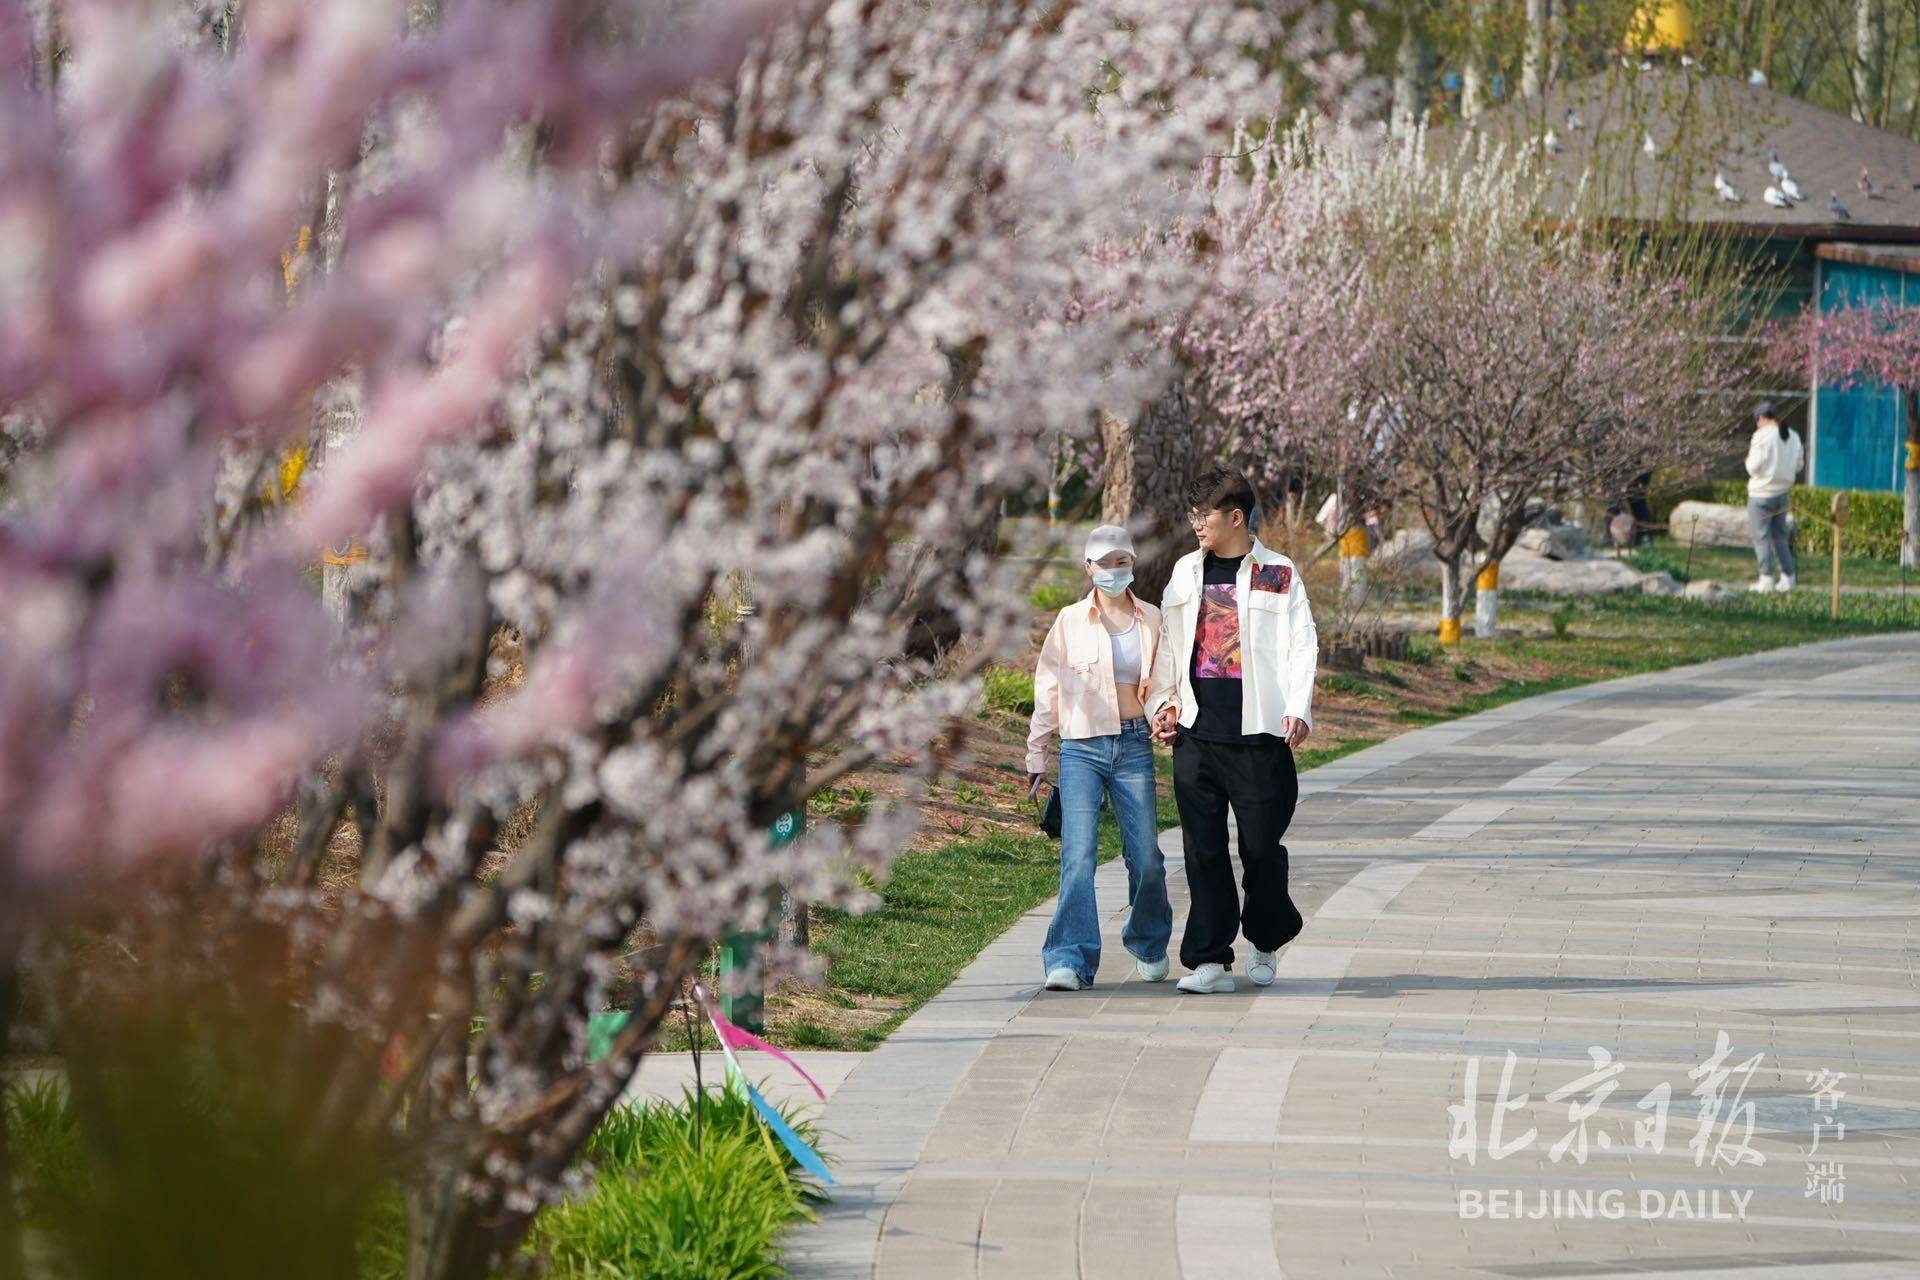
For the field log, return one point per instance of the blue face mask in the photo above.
(1112, 581)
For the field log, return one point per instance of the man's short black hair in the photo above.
(1221, 490)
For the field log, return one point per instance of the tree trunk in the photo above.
(1149, 464)
(1559, 19)
(1473, 77)
(1533, 63)
(444, 1239)
(1870, 57)
(1910, 516)
(1449, 598)
(1486, 601)
(1411, 78)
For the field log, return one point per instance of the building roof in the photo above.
(1700, 123)
(1892, 257)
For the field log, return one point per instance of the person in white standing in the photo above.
(1774, 458)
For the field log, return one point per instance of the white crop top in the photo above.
(1126, 656)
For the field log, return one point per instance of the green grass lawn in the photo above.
(1736, 565)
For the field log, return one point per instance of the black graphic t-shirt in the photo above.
(1216, 669)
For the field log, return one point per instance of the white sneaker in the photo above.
(1207, 979)
(1786, 583)
(1152, 970)
(1261, 968)
(1063, 979)
(1763, 583)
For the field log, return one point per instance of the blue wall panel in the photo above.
(1861, 431)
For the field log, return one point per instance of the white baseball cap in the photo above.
(1107, 538)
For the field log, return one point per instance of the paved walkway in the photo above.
(1527, 931)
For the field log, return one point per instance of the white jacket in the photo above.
(1279, 647)
(1772, 463)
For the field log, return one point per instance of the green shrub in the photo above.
(45, 1134)
(1561, 619)
(1651, 561)
(849, 804)
(1873, 521)
(659, 1206)
(1663, 497)
(157, 1154)
(664, 1208)
(1051, 597)
(1009, 689)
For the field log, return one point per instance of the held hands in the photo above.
(1167, 720)
(1294, 730)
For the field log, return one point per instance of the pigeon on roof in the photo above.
(1837, 209)
(1869, 189)
(1791, 189)
(1774, 166)
(1574, 121)
(1551, 142)
(1734, 127)
(1777, 198)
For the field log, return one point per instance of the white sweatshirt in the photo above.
(1772, 463)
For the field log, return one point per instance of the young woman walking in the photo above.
(1089, 688)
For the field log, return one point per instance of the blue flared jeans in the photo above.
(1117, 767)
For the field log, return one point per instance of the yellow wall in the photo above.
(1666, 26)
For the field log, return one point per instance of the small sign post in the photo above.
(1839, 523)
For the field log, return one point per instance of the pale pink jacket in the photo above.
(1073, 692)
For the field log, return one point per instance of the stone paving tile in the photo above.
(1644, 897)
(1559, 730)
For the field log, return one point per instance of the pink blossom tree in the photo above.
(604, 340)
(218, 230)
(1274, 351)
(1442, 347)
(1553, 373)
(1256, 383)
(1864, 346)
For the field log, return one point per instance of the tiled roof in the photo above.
(1699, 123)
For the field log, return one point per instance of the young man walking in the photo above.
(1232, 689)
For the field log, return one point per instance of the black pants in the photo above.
(1259, 783)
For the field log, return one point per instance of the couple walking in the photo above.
(1223, 671)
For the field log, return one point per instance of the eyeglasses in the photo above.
(1198, 518)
